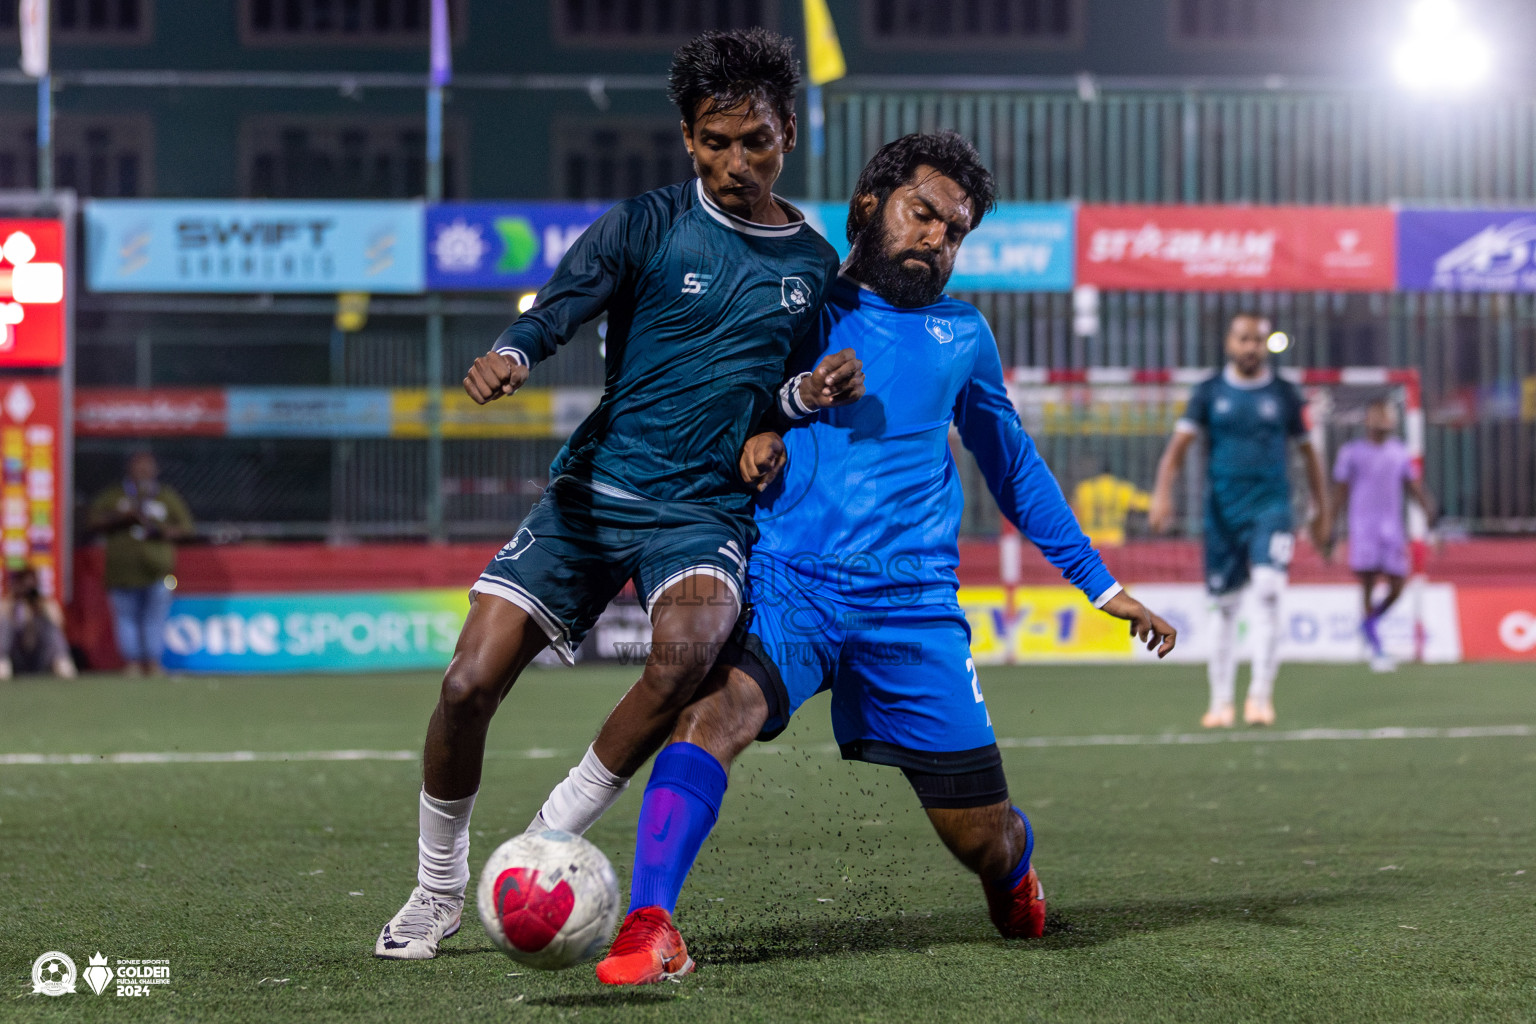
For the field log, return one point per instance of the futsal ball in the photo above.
(549, 899)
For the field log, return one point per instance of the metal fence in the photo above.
(1043, 142)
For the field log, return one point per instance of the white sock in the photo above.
(1222, 668)
(442, 864)
(1267, 585)
(582, 797)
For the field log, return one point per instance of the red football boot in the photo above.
(647, 949)
(1018, 913)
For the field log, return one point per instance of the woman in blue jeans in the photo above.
(141, 519)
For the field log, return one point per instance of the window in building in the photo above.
(89, 21)
(654, 22)
(970, 23)
(377, 22)
(106, 157)
(334, 158)
(614, 158)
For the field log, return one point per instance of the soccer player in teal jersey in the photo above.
(1249, 417)
(852, 585)
(709, 286)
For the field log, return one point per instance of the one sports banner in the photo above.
(33, 476)
(32, 292)
(367, 631)
(1020, 247)
(1466, 250)
(162, 245)
(1236, 248)
(501, 246)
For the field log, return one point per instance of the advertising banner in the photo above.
(32, 474)
(151, 412)
(163, 245)
(1020, 247)
(308, 412)
(369, 631)
(1320, 622)
(1040, 624)
(1466, 250)
(1236, 248)
(1498, 624)
(32, 314)
(501, 246)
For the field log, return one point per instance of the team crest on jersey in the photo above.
(1223, 406)
(796, 294)
(1268, 409)
(942, 330)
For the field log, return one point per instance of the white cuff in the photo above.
(1183, 426)
(516, 355)
(1108, 596)
(790, 402)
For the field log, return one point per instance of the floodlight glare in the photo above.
(1441, 53)
(1278, 342)
(526, 300)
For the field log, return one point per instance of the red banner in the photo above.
(31, 476)
(1237, 248)
(1498, 623)
(31, 292)
(152, 412)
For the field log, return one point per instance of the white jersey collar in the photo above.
(747, 227)
(1242, 383)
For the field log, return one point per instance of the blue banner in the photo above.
(1020, 247)
(369, 631)
(155, 245)
(309, 412)
(501, 246)
(1466, 250)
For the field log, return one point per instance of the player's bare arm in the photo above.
(762, 459)
(1151, 629)
(494, 376)
(1321, 527)
(1160, 514)
(1419, 493)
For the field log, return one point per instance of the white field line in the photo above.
(543, 753)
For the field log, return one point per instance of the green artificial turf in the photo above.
(1335, 880)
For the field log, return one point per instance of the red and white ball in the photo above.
(549, 899)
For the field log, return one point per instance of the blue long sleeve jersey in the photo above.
(870, 501)
(704, 310)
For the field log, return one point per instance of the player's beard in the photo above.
(889, 274)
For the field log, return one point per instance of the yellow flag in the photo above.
(822, 48)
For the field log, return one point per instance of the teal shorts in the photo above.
(583, 542)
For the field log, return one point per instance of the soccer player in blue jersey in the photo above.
(1249, 416)
(852, 584)
(709, 286)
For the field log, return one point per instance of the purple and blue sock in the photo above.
(682, 802)
(1022, 868)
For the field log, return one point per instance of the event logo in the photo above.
(1347, 254)
(98, 975)
(1201, 253)
(519, 245)
(459, 247)
(1517, 631)
(53, 974)
(1499, 252)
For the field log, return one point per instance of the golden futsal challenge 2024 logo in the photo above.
(54, 974)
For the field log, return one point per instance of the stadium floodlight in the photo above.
(526, 300)
(1441, 54)
(1278, 342)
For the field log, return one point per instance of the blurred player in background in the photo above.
(708, 285)
(1248, 416)
(1370, 476)
(852, 586)
(1103, 504)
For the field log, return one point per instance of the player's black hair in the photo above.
(1249, 314)
(895, 163)
(724, 68)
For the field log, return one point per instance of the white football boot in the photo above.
(426, 920)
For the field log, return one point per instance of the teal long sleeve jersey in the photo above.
(704, 313)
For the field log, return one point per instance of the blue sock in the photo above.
(1022, 868)
(682, 801)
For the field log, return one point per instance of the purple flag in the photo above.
(442, 51)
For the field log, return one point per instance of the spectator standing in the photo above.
(141, 519)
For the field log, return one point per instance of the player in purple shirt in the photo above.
(1372, 473)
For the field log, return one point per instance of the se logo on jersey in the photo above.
(696, 284)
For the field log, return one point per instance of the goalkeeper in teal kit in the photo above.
(709, 287)
(852, 584)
